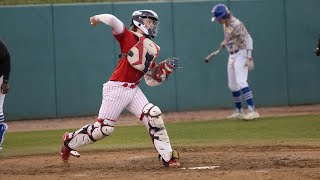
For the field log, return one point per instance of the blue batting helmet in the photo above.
(219, 11)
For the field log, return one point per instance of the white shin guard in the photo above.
(91, 133)
(79, 140)
(158, 131)
(162, 143)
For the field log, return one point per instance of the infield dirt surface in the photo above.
(277, 160)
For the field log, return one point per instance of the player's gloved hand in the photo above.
(93, 21)
(250, 64)
(172, 63)
(165, 68)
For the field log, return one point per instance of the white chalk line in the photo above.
(200, 167)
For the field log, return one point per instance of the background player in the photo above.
(137, 59)
(239, 44)
(4, 82)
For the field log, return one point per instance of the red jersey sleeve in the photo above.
(120, 37)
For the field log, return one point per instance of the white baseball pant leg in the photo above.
(155, 126)
(115, 98)
(237, 71)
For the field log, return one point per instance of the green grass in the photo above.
(301, 129)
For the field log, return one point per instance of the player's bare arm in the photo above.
(4, 87)
(249, 47)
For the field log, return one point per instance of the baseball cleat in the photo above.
(251, 115)
(173, 162)
(65, 151)
(236, 115)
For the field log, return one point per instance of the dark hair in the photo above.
(228, 16)
(133, 27)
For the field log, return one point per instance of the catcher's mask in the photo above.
(137, 20)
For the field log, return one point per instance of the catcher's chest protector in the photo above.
(142, 55)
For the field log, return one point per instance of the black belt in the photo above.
(233, 52)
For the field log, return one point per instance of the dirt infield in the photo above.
(264, 162)
(272, 161)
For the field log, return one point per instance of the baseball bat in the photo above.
(213, 54)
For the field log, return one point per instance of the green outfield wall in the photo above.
(60, 62)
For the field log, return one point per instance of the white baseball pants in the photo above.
(237, 70)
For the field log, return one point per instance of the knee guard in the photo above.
(102, 128)
(158, 131)
(154, 115)
(90, 133)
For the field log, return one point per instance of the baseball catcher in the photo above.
(137, 59)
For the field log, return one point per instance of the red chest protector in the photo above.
(143, 54)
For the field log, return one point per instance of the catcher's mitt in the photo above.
(165, 68)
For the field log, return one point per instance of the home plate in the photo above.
(200, 167)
